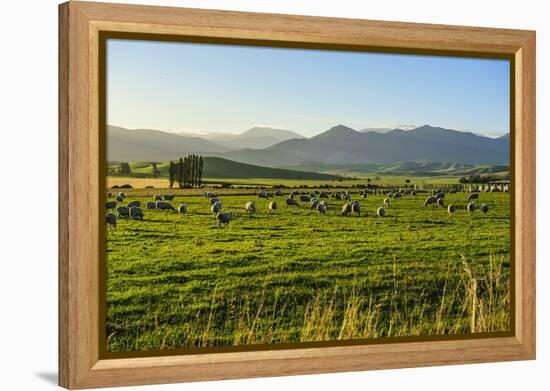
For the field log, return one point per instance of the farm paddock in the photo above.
(294, 275)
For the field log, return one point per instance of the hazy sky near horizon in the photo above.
(220, 88)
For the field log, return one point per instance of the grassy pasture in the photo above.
(180, 281)
(392, 180)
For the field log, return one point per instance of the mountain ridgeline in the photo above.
(339, 145)
(343, 145)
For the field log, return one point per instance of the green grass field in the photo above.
(180, 281)
(384, 180)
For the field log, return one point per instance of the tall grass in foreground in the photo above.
(471, 299)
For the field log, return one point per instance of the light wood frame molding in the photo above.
(80, 23)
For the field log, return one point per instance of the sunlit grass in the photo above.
(180, 281)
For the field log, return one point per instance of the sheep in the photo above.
(273, 206)
(123, 211)
(169, 197)
(121, 194)
(158, 197)
(397, 194)
(262, 194)
(440, 195)
(387, 202)
(313, 203)
(208, 194)
(216, 208)
(110, 205)
(346, 197)
(323, 195)
(163, 205)
(381, 212)
(224, 218)
(291, 202)
(293, 194)
(304, 198)
(182, 209)
(441, 202)
(279, 193)
(451, 209)
(336, 196)
(430, 200)
(214, 200)
(119, 198)
(471, 207)
(133, 203)
(136, 213)
(322, 207)
(484, 208)
(473, 196)
(269, 195)
(109, 195)
(413, 193)
(250, 207)
(151, 205)
(110, 218)
(346, 209)
(356, 208)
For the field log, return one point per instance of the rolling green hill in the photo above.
(414, 168)
(215, 167)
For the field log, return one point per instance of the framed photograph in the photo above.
(246, 195)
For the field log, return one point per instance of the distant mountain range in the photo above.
(343, 145)
(153, 145)
(339, 145)
(258, 137)
(156, 145)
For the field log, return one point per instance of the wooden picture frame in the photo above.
(80, 26)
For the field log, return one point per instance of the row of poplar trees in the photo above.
(187, 172)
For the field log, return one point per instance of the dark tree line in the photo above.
(187, 172)
(156, 171)
(124, 168)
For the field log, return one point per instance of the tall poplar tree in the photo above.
(172, 173)
(201, 162)
(181, 170)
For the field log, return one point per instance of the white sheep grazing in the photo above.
(471, 207)
(387, 202)
(182, 209)
(291, 202)
(322, 207)
(484, 208)
(313, 203)
(346, 209)
(110, 217)
(356, 208)
(381, 212)
(451, 209)
(273, 206)
(216, 208)
(441, 202)
(430, 200)
(250, 207)
(224, 218)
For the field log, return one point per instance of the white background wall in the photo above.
(28, 196)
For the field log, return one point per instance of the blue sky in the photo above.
(222, 88)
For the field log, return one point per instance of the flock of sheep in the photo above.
(316, 199)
